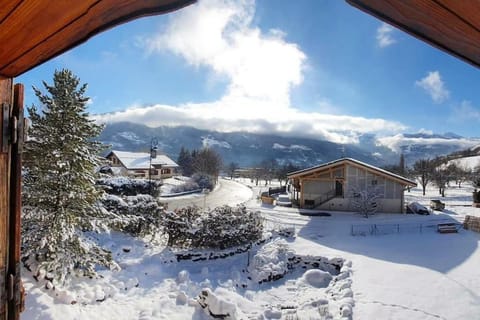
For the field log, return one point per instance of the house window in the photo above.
(165, 171)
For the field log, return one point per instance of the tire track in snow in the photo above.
(393, 305)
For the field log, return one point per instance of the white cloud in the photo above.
(261, 68)
(395, 142)
(254, 118)
(466, 111)
(384, 35)
(220, 35)
(434, 86)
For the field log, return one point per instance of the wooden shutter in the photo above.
(11, 142)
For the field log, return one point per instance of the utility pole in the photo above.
(153, 155)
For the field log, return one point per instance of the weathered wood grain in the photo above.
(5, 96)
(15, 206)
(35, 31)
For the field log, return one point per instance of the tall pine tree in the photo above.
(60, 199)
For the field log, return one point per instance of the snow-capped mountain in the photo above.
(249, 149)
(426, 145)
(246, 149)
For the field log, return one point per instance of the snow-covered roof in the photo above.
(354, 161)
(141, 160)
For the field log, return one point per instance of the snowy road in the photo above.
(227, 192)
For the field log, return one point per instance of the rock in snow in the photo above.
(216, 306)
(317, 278)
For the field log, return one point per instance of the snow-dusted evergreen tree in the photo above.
(60, 199)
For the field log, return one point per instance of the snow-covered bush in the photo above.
(187, 186)
(220, 228)
(125, 186)
(137, 215)
(272, 261)
(204, 181)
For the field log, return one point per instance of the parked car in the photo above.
(415, 207)
(283, 200)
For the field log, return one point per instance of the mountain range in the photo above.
(249, 149)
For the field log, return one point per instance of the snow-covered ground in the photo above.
(466, 162)
(408, 272)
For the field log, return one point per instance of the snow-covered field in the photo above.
(409, 272)
(468, 162)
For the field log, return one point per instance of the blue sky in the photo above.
(315, 68)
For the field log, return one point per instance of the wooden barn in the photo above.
(334, 185)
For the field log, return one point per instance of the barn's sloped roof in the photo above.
(369, 167)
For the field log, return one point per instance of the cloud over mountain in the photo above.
(261, 69)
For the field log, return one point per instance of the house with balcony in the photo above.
(334, 186)
(137, 164)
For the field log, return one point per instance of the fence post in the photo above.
(398, 228)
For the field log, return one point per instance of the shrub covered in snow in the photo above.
(187, 186)
(137, 215)
(272, 261)
(125, 186)
(204, 181)
(222, 227)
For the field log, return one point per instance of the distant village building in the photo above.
(334, 185)
(137, 164)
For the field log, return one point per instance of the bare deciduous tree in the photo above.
(423, 169)
(440, 176)
(365, 200)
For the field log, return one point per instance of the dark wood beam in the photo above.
(34, 31)
(449, 25)
(5, 98)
